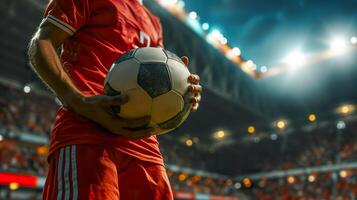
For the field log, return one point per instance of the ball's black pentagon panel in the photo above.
(181, 116)
(126, 56)
(154, 79)
(171, 55)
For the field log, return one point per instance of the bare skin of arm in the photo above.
(46, 63)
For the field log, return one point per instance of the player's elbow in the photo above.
(32, 49)
(37, 46)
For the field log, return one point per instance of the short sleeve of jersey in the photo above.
(160, 32)
(69, 15)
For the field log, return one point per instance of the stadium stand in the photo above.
(31, 114)
(307, 160)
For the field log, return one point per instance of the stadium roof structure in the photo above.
(231, 100)
(317, 88)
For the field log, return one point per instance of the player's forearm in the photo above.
(47, 65)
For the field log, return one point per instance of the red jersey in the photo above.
(101, 31)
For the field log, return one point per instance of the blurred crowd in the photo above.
(23, 158)
(33, 113)
(321, 147)
(25, 112)
(316, 147)
(326, 186)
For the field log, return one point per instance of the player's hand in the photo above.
(98, 109)
(195, 87)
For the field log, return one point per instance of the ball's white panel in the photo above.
(123, 76)
(150, 54)
(179, 76)
(139, 104)
(166, 106)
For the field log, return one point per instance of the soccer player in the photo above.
(94, 155)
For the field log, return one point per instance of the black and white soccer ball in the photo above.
(156, 82)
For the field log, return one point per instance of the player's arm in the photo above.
(46, 63)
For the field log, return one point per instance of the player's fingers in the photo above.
(195, 88)
(114, 100)
(185, 60)
(194, 107)
(196, 99)
(194, 78)
(135, 123)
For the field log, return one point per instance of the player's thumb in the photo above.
(115, 100)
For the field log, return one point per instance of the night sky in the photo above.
(266, 30)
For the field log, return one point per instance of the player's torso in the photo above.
(114, 27)
(123, 22)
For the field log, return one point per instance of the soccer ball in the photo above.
(156, 82)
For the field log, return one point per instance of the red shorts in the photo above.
(81, 172)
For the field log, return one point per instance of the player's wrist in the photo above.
(73, 99)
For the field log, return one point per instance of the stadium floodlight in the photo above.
(181, 4)
(189, 142)
(205, 26)
(215, 36)
(182, 177)
(343, 174)
(14, 186)
(223, 41)
(247, 182)
(263, 69)
(238, 185)
(312, 117)
(341, 125)
(274, 136)
(296, 58)
(251, 129)
(281, 124)
(291, 179)
(234, 52)
(311, 178)
(338, 45)
(220, 134)
(354, 40)
(27, 89)
(193, 15)
(251, 64)
(346, 109)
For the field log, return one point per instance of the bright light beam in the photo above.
(193, 15)
(295, 58)
(354, 40)
(338, 45)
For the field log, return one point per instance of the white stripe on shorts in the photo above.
(66, 175)
(74, 172)
(59, 176)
